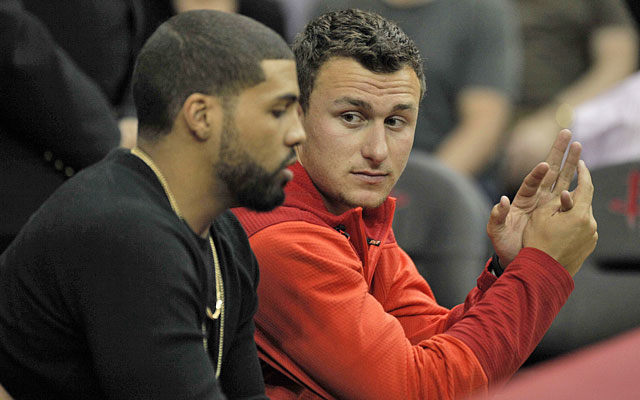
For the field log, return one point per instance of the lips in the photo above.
(371, 177)
(291, 159)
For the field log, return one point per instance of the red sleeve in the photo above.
(503, 325)
(318, 321)
(502, 320)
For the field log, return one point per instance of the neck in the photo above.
(191, 183)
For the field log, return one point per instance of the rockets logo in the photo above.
(629, 205)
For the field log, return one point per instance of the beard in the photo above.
(252, 186)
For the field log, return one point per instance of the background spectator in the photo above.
(64, 69)
(573, 50)
(269, 12)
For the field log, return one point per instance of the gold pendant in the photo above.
(216, 314)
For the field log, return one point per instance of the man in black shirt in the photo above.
(133, 280)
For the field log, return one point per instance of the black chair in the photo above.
(440, 221)
(606, 299)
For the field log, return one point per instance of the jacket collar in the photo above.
(303, 194)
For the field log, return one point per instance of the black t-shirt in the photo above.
(103, 294)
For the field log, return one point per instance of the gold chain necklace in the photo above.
(218, 273)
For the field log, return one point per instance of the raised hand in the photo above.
(567, 236)
(546, 182)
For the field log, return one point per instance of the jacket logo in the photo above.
(342, 229)
(629, 205)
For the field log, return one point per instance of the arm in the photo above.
(317, 318)
(491, 74)
(139, 300)
(320, 323)
(483, 113)
(614, 53)
(614, 50)
(241, 376)
(47, 100)
(242, 361)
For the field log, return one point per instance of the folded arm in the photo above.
(318, 321)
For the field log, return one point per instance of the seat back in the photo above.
(606, 298)
(440, 221)
(616, 206)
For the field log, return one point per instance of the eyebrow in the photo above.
(287, 98)
(367, 106)
(353, 102)
(404, 106)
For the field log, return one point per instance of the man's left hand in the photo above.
(545, 182)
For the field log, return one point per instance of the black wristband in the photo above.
(495, 266)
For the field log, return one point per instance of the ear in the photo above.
(203, 115)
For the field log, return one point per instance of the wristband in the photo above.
(495, 266)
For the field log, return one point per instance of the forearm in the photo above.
(473, 142)
(468, 151)
(242, 361)
(615, 56)
(509, 320)
(319, 323)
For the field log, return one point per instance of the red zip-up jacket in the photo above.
(343, 312)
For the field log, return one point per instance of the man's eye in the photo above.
(394, 122)
(277, 113)
(351, 118)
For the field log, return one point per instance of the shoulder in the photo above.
(227, 224)
(297, 244)
(231, 236)
(109, 207)
(234, 249)
(254, 221)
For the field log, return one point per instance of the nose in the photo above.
(295, 134)
(375, 147)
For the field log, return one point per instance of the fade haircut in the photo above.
(377, 44)
(202, 51)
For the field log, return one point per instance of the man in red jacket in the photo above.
(343, 311)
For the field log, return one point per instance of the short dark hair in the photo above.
(376, 43)
(202, 51)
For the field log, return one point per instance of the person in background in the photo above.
(103, 39)
(268, 12)
(634, 7)
(55, 119)
(473, 58)
(297, 13)
(133, 280)
(343, 310)
(573, 51)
